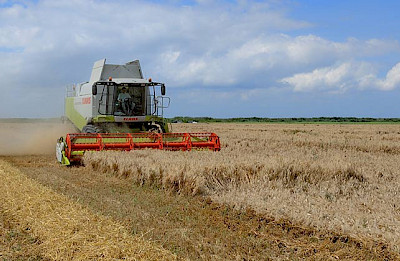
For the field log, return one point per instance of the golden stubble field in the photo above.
(344, 178)
(59, 228)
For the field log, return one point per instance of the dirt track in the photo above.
(195, 227)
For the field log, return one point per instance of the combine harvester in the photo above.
(120, 110)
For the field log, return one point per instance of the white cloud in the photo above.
(170, 57)
(337, 77)
(392, 79)
(14, 36)
(268, 58)
(341, 77)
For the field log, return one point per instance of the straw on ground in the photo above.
(64, 229)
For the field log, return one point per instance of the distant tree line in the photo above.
(180, 119)
(236, 120)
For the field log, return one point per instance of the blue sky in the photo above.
(240, 58)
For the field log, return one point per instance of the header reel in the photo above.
(71, 149)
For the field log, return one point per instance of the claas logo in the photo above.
(86, 100)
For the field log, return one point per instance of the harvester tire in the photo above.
(156, 128)
(91, 129)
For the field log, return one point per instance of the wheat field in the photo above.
(338, 177)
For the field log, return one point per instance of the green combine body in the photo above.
(120, 110)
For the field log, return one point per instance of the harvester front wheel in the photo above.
(91, 129)
(156, 128)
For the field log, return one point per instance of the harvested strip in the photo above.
(66, 229)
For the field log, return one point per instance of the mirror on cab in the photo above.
(162, 89)
(94, 89)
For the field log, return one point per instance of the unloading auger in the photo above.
(120, 110)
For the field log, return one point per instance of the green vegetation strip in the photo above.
(322, 120)
(66, 229)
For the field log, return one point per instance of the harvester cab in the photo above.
(120, 110)
(117, 99)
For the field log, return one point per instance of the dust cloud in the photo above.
(31, 138)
